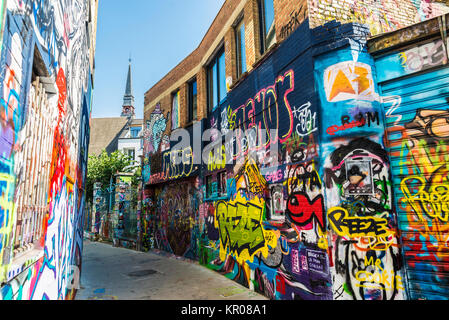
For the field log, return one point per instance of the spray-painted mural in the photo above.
(43, 146)
(258, 222)
(2, 20)
(381, 16)
(351, 210)
(155, 141)
(278, 244)
(417, 129)
(367, 262)
(99, 202)
(173, 218)
(124, 218)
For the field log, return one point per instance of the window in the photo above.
(240, 48)
(222, 189)
(175, 111)
(135, 132)
(192, 101)
(268, 33)
(30, 203)
(277, 202)
(131, 153)
(209, 187)
(216, 81)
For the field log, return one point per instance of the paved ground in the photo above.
(110, 273)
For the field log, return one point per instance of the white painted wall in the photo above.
(136, 144)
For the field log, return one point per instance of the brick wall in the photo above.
(288, 15)
(381, 16)
(202, 96)
(230, 55)
(183, 98)
(252, 37)
(191, 66)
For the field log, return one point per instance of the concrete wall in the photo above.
(45, 92)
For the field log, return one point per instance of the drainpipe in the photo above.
(443, 32)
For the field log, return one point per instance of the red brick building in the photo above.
(381, 16)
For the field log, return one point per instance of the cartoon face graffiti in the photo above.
(360, 170)
(367, 258)
(301, 209)
(359, 177)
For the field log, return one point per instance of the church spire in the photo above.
(128, 98)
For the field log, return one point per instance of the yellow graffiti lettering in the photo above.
(352, 227)
(371, 262)
(173, 170)
(218, 161)
(433, 201)
(256, 182)
(379, 280)
(241, 229)
(231, 119)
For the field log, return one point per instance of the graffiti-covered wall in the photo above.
(124, 217)
(380, 16)
(269, 226)
(366, 259)
(256, 222)
(45, 94)
(174, 219)
(332, 184)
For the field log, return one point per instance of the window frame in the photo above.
(136, 131)
(212, 81)
(222, 193)
(176, 94)
(264, 33)
(24, 240)
(239, 41)
(192, 107)
(128, 150)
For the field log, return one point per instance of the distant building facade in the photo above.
(122, 133)
(130, 140)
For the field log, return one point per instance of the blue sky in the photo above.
(158, 33)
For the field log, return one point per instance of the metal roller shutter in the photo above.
(417, 133)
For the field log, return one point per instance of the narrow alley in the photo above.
(111, 273)
(218, 150)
